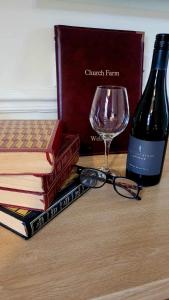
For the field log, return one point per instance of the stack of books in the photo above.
(36, 181)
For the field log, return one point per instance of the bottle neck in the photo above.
(160, 60)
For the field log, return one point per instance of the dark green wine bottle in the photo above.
(150, 123)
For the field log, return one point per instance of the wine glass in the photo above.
(109, 114)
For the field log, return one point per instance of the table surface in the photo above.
(101, 247)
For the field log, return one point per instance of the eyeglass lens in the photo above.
(126, 187)
(93, 178)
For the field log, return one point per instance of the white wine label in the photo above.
(145, 157)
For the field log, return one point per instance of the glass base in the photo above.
(112, 172)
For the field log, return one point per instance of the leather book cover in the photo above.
(87, 58)
(29, 146)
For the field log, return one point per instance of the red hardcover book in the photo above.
(50, 184)
(42, 183)
(86, 58)
(29, 146)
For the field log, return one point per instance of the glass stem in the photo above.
(107, 144)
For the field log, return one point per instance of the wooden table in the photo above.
(102, 247)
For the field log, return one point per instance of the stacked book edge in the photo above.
(34, 192)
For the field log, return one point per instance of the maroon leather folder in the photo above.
(86, 58)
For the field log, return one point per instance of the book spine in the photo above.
(60, 164)
(60, 180)
(45, 217)
(55, 141)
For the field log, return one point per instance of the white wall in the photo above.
(27, 57)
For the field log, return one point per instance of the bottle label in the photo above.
(145, 157)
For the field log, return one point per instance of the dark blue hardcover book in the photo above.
(26, 222)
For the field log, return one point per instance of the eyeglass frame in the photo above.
(111, 180)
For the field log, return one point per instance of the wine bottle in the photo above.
(150, 123)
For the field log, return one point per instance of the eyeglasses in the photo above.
(94, 178)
